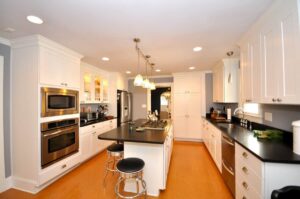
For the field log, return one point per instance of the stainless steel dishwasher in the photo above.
(228, 162)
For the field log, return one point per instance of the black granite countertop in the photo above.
(83, 123)
(277, 151)
(123, 133)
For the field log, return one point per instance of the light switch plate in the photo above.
(268, 116)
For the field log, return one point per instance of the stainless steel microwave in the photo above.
(55, 101)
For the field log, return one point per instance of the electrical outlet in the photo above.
(268, 116)
(144, 106)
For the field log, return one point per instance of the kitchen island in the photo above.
(152, 146)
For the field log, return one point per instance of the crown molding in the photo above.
(5, 41)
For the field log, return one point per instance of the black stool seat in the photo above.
(116, 148)
(130, 165)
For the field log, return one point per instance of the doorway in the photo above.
(161, 102)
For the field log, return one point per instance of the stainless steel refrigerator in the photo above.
(124, 107)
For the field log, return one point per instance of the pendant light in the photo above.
(146, 83)
(138, 80)
(152, 84)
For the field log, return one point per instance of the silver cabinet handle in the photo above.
(229, 78)
(279, 100)
(273, 100)
(245, 170)
(245, 155)
(226, 139)
(245, 185)
(228, 169)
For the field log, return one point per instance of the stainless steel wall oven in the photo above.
(59, 139)
(55, 101)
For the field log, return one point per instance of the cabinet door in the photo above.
(180, 85)
(56, 69)
(105, 90)
(246, 69)
(271, 59)
(218, 140)
(85, 146)
(180, 127)
(289, 72)
(180, 102)
(218, 86)
(256, 72)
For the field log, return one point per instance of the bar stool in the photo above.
(115, 153)
(131, 169)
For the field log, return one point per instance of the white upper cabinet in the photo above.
(270, 68)
(187, 83)
(251, 73)
(226, 81)
(94, 86)
(58, 69)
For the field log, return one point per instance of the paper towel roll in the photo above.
(296, 137)
(229, 114)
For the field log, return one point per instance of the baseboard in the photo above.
(24, 185)
(6, 185)
(188, 139)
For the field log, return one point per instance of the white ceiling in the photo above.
(168, 29)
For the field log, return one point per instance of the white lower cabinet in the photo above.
(213, 142)
(255, 179)
(90, 145)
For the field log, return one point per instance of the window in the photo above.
(163, 101)
(252, 109)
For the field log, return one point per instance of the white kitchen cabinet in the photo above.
(187, 82)
(270, 53)
(187, 115)
(94, 86)
(226, 81)
(213, 142)
(251, 70)
(90, 145)
(188, 100)
(59, 69)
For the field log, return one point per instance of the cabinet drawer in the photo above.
(59, 168)
(241, 193)
(244, 157)
(249, 183)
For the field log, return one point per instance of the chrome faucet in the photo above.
(239, 109)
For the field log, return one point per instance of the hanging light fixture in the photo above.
(138, 80)
(152, 84)
(146, 83)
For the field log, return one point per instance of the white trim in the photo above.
(4, 41)
(155, 77)
(6, 185)
(188, 139)
(2, 163)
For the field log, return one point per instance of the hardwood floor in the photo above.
(192, 175)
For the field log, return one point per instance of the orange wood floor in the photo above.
(192, 175)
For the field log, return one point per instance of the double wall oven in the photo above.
(59, 138)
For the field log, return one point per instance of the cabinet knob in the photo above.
(248, 100)
(244, 197)
(279, 100)
(62, 84)
(245, 185)
(245, 155)
(63, 166)
(93, 126)
(273, 100)
(66, 84)
(94, 133)
(245, 170)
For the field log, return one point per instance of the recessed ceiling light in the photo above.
(157, 70)
(128, 72)
(197, 49)
(34, 19)
(105, 59)
(192, 68)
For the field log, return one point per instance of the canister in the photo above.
(296, 137)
